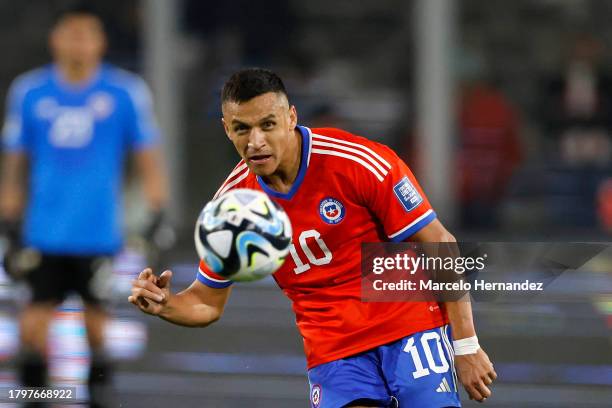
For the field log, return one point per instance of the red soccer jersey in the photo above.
(348, 190)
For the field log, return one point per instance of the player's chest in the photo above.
(74, 121)
(325, 224)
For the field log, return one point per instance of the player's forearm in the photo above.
(186, 310)
(12, 195)
(461, 319)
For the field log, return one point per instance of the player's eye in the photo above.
(268, 124)
(240, 128)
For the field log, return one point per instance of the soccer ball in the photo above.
(243, 235)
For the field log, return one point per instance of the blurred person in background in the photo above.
(577, 106)
(489, 145)
(577, 120)
(68, 128)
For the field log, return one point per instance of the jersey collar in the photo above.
(304, 162)
(86, 85)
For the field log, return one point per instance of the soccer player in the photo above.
(69, 125)
(339, 190)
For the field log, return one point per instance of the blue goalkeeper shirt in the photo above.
(76, 139)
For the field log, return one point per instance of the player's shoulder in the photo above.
(348, 149)
(239, 177)
(29, 81)
(345, 138)
(123, 80)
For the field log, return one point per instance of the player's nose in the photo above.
(257, 139)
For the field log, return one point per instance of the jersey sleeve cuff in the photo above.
(414, 227)
(211, 279)
(145, 144)
(13, 148)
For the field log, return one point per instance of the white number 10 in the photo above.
(312, 259)
(422, 371)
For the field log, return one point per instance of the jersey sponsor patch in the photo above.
(331, 210)
(315, 396)
(407, 194)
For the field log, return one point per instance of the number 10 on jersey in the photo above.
(309, 237)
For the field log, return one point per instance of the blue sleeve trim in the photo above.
(211, 283)
(413, 229)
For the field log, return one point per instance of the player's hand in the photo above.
(151, 293)
(476, 373)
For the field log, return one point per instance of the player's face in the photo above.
(79, 40)
(261, 130)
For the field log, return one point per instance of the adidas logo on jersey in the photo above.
(443, 387)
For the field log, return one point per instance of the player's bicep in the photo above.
(398, 201)
(142, 128)
(14, 129)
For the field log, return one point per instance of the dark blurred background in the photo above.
(502, 109)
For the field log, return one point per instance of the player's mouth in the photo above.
(260, 159)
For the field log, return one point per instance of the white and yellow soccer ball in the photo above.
(243, 235)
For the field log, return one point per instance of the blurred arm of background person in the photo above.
(152, 172)
(12, 182)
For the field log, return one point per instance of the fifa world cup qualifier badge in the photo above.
(407, 194)
(331, 210)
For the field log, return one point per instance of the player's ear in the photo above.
(225, 127)
(292, 117)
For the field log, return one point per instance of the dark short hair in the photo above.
(79, 8)
(248, 83)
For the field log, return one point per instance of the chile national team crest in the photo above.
(315, 396)
(331, 210)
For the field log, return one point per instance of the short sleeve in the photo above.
(142, 128)
(396, 198)
(211, 279)
(14, 129)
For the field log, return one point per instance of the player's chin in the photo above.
(263, 168)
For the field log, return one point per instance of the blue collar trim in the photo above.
(305, 158)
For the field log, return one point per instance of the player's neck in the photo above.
(287, 172)
(77, 73)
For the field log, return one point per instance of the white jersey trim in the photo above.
(367, 149)
(316, 142)
(226, 186)
(241, 166)
(211, 278)
(350, 157)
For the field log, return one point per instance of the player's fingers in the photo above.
(164, 279)
(473, 392)
(483, 390)
(145, 274)
(142, 303)
(141, 292)
(148, 285)
(492, 375)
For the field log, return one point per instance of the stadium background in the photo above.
(457, 88)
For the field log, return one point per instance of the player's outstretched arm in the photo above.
(196, 306)
(474, 369)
